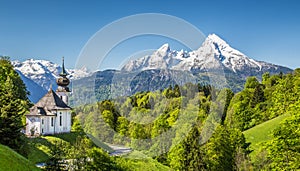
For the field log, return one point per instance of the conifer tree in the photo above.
(258, 96)
(13, 105)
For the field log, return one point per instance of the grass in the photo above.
(137, 161)
(40, 147)
(137, 155)
(262, 132)
(11, 160)
(39, 150)
(100, 144)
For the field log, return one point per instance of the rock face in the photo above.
(214, 54)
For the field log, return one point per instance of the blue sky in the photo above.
(263, 30)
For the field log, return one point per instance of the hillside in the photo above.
(11, 160)
(40, 152)
(135, 161)
(262, 132)
(173, 119)
(258, 108)
(40, 146)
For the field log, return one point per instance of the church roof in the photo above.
(48, 103)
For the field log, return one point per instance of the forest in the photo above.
(198, 127)
(183, 127)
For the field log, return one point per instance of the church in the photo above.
(51, 114)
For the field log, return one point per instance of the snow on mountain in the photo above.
(230, 58)
(45, 73)
(75, 74)
(214, 53)
(159, 59)
(36, 91)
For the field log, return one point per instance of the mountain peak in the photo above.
(163, 50)
(45, 72)
(214, 53)
(216, 40)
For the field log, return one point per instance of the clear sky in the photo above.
(263, 30)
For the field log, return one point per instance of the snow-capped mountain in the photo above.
(45, 73)
(156, 71)
(163, 58)
(36, 91)
(214, 53)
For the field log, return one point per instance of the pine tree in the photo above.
(13, 105)
(188, 155)
(258, 96)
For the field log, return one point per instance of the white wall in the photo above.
(46, 127)
(65, 124)
(33, 122)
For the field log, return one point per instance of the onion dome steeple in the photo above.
(63, 81)
(63, 71)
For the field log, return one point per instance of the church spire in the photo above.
(63, 81)
(63, 71)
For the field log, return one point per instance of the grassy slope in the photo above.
(262, 132)
(40, 148)
(142, 164)
(100, 144)
(137, 161)
(11, 160)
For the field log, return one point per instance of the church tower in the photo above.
(51, 114)
(63, 82)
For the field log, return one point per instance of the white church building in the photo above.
(51, 114)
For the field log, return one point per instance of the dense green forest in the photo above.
(188, 127)
(206, 124)
(184, 127)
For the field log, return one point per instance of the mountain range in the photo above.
(215, 62)
(39, 75)
(214, 54)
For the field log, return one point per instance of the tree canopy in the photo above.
(13, 105)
